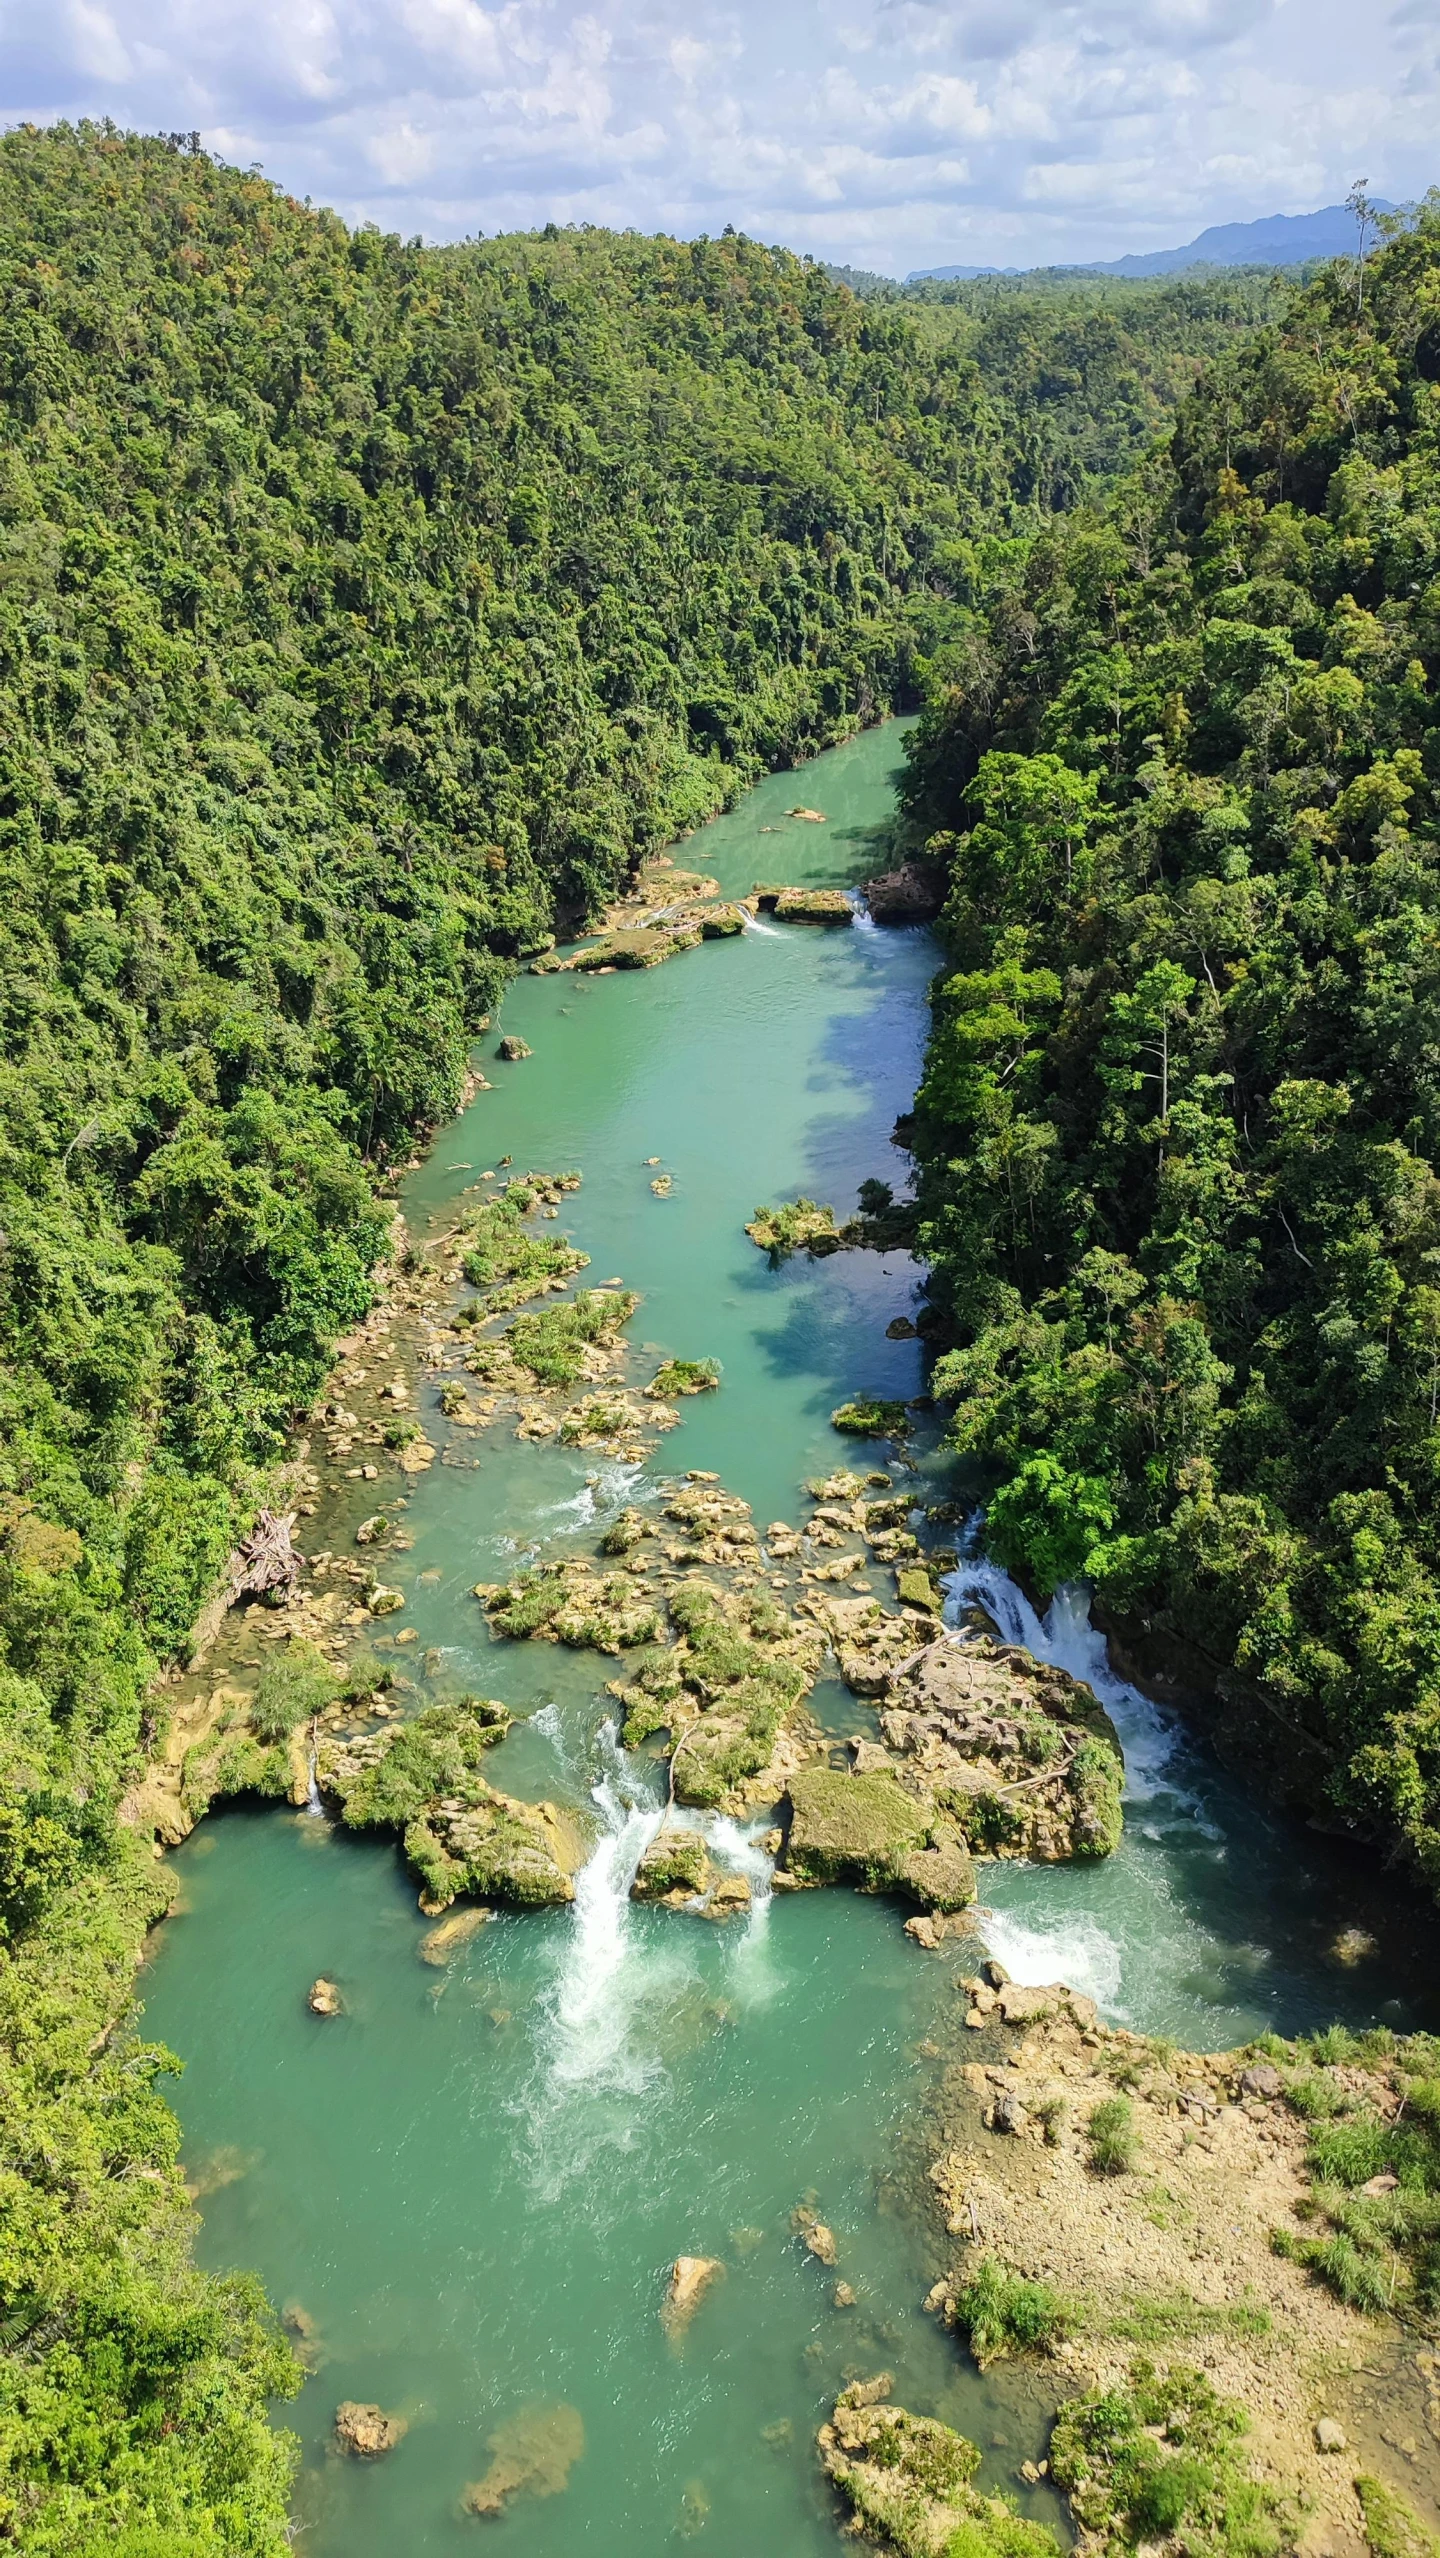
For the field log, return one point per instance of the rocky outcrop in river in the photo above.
(422, 1780)
(907, 2482)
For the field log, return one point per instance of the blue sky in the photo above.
(888, 133)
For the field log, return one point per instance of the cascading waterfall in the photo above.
(1071, 1945)
(1065, 1637)
(618, 1973)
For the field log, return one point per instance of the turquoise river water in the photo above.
(475, 2181)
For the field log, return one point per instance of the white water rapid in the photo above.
(625, 1977)
(1052, 1940)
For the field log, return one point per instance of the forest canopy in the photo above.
(1179, 1129)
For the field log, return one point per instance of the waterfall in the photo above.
(1065, 1637)
(623, 1974)
(595, 1993)
(314, 1803)
(1056, 1939)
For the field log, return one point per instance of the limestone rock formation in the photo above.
(878, 1833)
(421, 1778)
(690, 2279)
(367, 2432)
(673, 1868)
(913, 894)
(1021, 1754)
(907, 2480)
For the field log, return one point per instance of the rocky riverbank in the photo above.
(1223, 2261)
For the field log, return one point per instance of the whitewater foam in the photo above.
(1065, 1637)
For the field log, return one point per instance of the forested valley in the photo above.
(366, 612)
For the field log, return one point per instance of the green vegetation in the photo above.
(1180, 2318)
(907, 2480)
(1379, 2250)
(1085, 372)
(568, 1603)
(438, 1752)
(552, 1344)
(294, 1685)
(1111, 2136)
(1392, 2526)
(675, 1861)
(1179, 1131)
(1126, 2487)
(867, 1418)
(1001, 2313)
(506, 1261)
(798, 1225)
(366, 611)
(684, 1376)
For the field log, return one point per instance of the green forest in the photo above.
(366, 612)
(1180, 1124)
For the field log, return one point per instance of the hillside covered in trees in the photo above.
(1180, 1124)
(1083, 373)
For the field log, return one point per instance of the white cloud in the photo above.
(899, 133)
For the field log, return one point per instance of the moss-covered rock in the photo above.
(674, 1862)
(867, 1417)
(853, 1829)
(497, 1849)
(814, 906)
(915, 1589)
(572, 1603)
(242, 1765)
(685, 1376)
(385, 1779)
(422, 1779)
(798, 1225)
(908, 2483)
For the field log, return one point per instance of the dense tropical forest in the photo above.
(1180, 1123)
(365, 611)
(1083, 373)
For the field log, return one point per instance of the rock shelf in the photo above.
(1181, 2241)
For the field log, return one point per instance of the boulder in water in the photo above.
(690, 2279)
(324, 1998)
(913, 894)
(513, 1049)
(730, 1896)
(367, 2432)
(819, 2238)
(814, 906)
(673, 1867)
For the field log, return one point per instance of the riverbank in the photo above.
(1127, 2210)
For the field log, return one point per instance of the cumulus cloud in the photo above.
(891, 133)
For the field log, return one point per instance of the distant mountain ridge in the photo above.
(1277, 239)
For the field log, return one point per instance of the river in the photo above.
(474, 2181)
